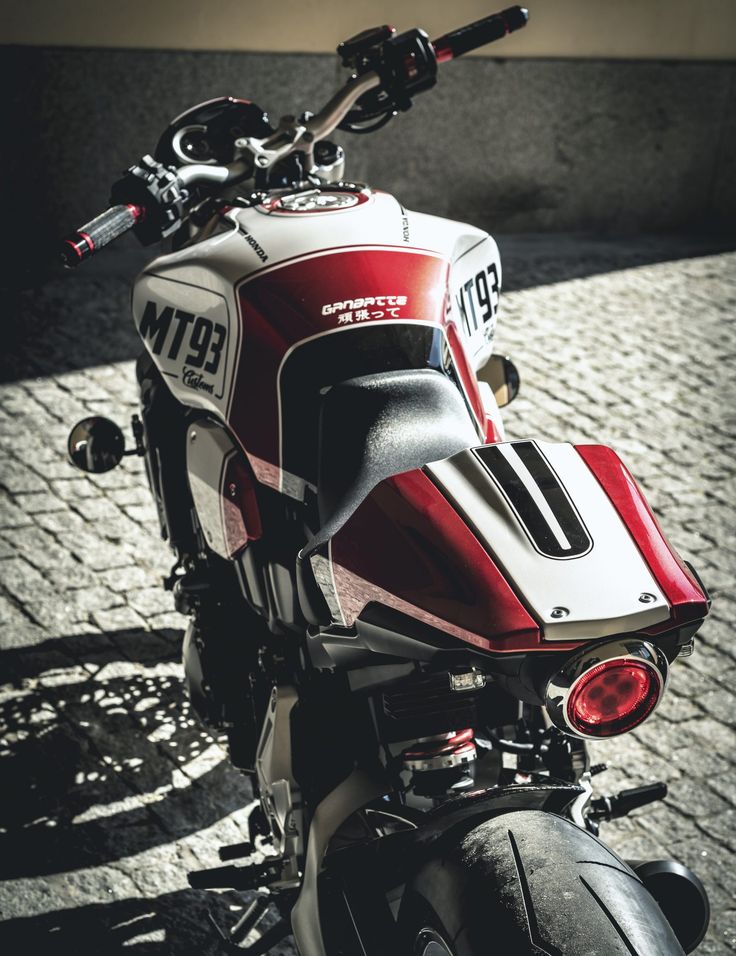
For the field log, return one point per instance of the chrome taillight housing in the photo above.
(607, 689)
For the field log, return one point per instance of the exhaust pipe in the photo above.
(680, 895)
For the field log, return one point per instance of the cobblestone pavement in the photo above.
(111, 792)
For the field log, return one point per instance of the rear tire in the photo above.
(528, 882)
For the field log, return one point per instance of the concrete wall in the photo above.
(512, 145)
(671, 29)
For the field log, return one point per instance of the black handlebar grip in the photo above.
(470, 37)
(99, 232)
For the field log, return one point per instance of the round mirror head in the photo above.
(96, 445)
(503, 377)
(513, 380)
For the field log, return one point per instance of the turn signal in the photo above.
(607, 689)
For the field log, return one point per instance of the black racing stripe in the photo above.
(521, 501)
(526, 508)
(559, 503)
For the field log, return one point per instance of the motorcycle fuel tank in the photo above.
(222, 318)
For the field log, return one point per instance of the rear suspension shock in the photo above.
(442, 763)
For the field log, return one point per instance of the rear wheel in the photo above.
(528, 882)
(428, 942)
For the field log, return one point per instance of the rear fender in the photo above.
(396, 856)
(361, 887)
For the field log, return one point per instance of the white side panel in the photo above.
(594, 592)
(209, 449)
(192, 334)
(474, 281)
(475, 288)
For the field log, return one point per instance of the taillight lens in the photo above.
(613, 697)
(607, 688)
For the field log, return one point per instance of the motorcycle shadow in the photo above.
(99, 766)
(171, 923)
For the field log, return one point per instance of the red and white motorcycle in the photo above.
(407, 627)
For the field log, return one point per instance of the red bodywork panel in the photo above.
(466, 373)
(686, 599)
(240, 512)
(406, 547)
(282, 307)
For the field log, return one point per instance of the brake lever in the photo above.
(165, 192)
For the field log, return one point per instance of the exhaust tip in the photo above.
(681, 896)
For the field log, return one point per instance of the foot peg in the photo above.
(620, 804)
(235, 877)
(250, 919)
(257, 825)
(235, 851)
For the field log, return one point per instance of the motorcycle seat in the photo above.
(375, 426)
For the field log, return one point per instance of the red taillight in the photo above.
(607, 688)
(613, 697)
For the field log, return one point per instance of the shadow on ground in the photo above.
(177, 922)
(100, 766)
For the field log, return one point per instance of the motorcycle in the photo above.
(407, 627)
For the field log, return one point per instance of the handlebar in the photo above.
(99, 232)
(389, 71)
(474, 35)
(160, 195)
(332, 114)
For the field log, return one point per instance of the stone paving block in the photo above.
(129, 578)
(679, 709)
(11, 514)
(18, 478)
(73, 489)
(94, 551)
(117, 619)
(83, 601)
(40, 549)
(24, 583)
(151, 601)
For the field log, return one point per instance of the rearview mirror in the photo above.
(96, 445)
(503, 377)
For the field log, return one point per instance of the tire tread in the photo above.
(529, 883)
